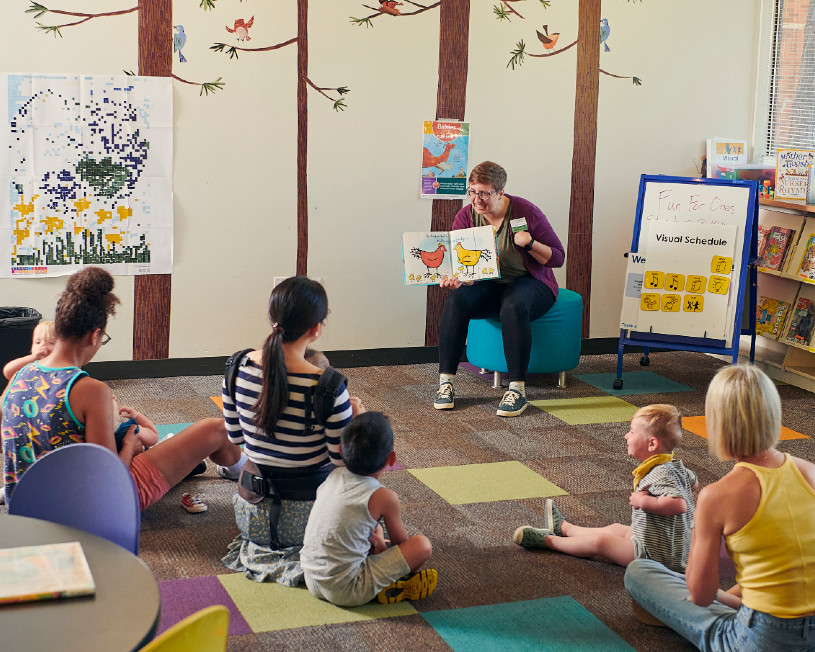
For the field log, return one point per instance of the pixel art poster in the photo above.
(86, 174)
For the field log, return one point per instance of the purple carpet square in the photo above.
(476, 370)
(181, 598)
(398, 466)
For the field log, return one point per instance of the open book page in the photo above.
(466, 254)
(46, 572)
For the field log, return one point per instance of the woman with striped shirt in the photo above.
(290, 453)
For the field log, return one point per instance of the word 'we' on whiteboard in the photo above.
(684, 229)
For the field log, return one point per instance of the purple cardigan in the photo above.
(539, 229)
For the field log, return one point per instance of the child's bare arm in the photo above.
(14, 366)
(662, 505)
(148, 433)
(384, 503)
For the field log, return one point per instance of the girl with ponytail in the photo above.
(290, 452)
(81, 408)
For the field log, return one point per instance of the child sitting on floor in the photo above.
(345, 557)
(42, 343)
(662, 502)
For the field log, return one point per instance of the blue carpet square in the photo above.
(168, 428)
(548, 624)
(634, 382)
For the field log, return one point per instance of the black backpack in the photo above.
(321, 397)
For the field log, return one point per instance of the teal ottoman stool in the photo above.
(556, 340)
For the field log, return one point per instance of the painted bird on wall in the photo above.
(548, 40)
(241, 29)
(605, 30)
(179, 39)
(389, 7)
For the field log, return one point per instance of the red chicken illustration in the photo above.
(430, 258)
(430, 161)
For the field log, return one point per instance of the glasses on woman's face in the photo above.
(483, 195)
(105, 339)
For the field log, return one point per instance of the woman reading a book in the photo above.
(528, 250)
(291, 435)
(52, 403)
(765, 510)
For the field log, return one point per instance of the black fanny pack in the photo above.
(255, 483)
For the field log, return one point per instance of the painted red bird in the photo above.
(241, 29)
(431, 259)
(548, 40)
(389, 7)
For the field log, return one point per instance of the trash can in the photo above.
(16, 330)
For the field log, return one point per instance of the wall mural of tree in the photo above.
(451, 96)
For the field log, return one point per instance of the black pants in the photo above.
(517, 303)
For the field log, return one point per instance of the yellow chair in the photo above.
(203, 631)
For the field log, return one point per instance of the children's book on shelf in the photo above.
(465, 254)
(770, 314)
(807, 267)
(763, 232)
(724, 155)
(792, 173)
(801, 322)
(45, 572)
(775, 248)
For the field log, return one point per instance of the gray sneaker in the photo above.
(445, 397)
(512, 404)
(527, 536)
(552, 518)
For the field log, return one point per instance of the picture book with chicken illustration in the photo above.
(801, 323)
(770, 316)
(775, 248)
(445, 148)
(465, 254)
(807, 268)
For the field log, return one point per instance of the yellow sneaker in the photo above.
(413, 586)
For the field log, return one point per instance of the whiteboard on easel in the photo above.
(688, 254)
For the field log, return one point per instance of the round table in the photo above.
(123, 615)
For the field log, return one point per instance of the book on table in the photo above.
(807, 267)
(770, 316)
(465, 254)
(45, 572)
(776, 246)
(801, 322)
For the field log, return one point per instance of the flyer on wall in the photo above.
(445, 145)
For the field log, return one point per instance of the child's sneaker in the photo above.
(193, 503)
(512, 404)
(552, 518)
(225, 472)
(445, 397)
(527, 536)
(413, 586)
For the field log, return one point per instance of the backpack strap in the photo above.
(326, 392)
(233, 363)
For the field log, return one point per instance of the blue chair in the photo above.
(85, 486)
(556, 340)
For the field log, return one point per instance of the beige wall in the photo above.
(235, 151)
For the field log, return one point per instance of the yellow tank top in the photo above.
(774, 553)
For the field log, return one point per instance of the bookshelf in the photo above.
(785, 360)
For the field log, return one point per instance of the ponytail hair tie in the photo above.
(278, 328)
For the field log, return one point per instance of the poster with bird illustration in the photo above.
(445, 146)
(465, 254)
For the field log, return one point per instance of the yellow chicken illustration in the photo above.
(469, 257)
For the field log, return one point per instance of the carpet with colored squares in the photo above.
(467, 479)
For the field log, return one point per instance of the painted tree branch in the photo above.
(39, 10)
(367, 19)
(232, 50)
(339, 103)
(206, 87)
(636, 80)
(551, 54)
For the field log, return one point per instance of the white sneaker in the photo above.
(224, 472)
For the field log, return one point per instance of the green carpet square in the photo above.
(545, 625)
(634, 382)
(593, 409)
(486, 483)
(269, 606)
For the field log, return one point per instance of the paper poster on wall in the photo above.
(686, 288)
(792, 168)
(445, 148)
(86, 175)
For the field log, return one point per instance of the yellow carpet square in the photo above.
(592, 409)
(486, 483)
(697, 426)
(269, 606)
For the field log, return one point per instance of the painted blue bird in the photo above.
(605, 30)
(179, 39)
